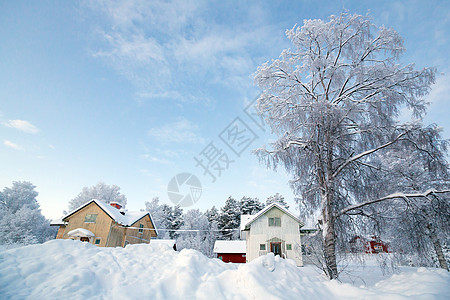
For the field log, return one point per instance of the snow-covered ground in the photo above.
(65, 269)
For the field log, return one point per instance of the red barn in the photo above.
(231, 251)
(368, 245)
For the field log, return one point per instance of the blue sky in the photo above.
(129, 92)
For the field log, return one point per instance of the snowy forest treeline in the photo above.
(214, 224)
(22, 223)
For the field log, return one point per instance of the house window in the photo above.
(275, 222)
(288, 246)
(262, 246)
(90, 218)
(141, 226)
(97, 241)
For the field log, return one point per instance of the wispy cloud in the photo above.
(155, 159)
(12, 145)
(22, 125)
(167, 49)
(181, 131)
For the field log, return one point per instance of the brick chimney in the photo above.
(116, 205)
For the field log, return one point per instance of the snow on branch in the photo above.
(390, 197)
(365, 153)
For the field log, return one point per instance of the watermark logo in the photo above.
(213, 161)
(238, 136)
(184, 189)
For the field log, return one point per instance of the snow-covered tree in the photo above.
(21, 220)
(201, 237)
(102, 192)
(176, 221)
(167, 219)
(212, 214)
(250, 206)
(157, 212)
(21, 194)
(333, 101)
(277, 198)
(230, 218)
(417, 222)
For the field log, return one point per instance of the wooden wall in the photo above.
(61, 230)
(110, 233)
(261, 233)
(133, 236)
(101, 227)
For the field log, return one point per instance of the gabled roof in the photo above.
(128, 219)
(57, 222)
(230, 247)
(266, 209)
(245, 219)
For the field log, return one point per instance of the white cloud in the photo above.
(175, 95)
(182, 131)
(22, 125)
(156, 159)
(134, 48)
(167, 49)
(12, 145)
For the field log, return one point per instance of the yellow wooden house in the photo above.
(106, 225)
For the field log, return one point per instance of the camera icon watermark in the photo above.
(184, 189)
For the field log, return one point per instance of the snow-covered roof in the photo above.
(266, 209)
(80, 232)
(57, 222)
(245, 219)
(126, 219)
(230, 247)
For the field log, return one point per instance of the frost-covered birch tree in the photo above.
(333, 100)
(416, 222)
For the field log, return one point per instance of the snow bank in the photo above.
(63, 269)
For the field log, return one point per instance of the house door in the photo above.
(275, 248)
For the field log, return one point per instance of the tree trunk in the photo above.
(325, 179)
(437, 247)
(329, 246)
(329, 235)
(329, 217)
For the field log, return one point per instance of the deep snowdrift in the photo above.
(65, 269)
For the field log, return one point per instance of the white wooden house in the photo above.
(273, 229)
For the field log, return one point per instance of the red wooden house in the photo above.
(231, 251)
(368, 245)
